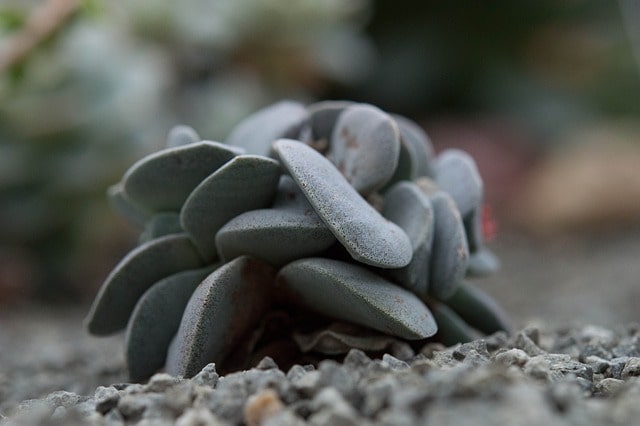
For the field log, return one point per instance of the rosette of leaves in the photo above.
(338, 210)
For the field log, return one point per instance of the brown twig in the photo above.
(43, 21)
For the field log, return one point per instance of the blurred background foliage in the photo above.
(545, 95)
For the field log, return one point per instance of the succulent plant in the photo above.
(337, 209)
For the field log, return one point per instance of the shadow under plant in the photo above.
(306, 216)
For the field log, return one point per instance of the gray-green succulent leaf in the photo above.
(162, 181)
(256, 133)
(246, 182)
(182, 135)
(368, 236)
(365, 146)
(136, 273)
(408, 207)
(223, 308)
(156, 319)
(353, 293)
(159, 225)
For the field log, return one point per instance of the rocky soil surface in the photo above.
(574, 376)
(558, 370)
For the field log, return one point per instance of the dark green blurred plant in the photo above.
(87, 86)
(550, 65)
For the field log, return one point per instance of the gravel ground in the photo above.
(555, 370)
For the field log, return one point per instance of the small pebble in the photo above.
(261, 407)
(631, 368)
(207, 376)
(512, 357)
(608, 386)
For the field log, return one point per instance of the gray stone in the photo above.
(161, 382)
(297, 371)
(330, 408)
(398, 417)
(628, 347)
(106, 398)
(524, 342)
(617, 365)
(496, 340)
(306, 384)
(377, 395)
(228, 399)
(394, 363)
(266, 363)
(284, 418)
(512, 357)
(599, 365)
(207, 376)
(565, 394)
(64, 399)
(199, 417)
(336, 376)
(631, 368)
(478, 346)
(609, 386)
(356, 358)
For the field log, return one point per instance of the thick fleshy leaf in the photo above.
(119, 202)
(318, 128)
(182, 135)
(352, 293)
(478, 309)
(289, 195)
(256, 133)
(418, 146)
(450, 253)
(159, 225)
(473, 228)
(451, 328)
(139, 270)
(155, 320)
(368, 236)
(223, 308)
(456, 173)
(162, 181)
(277, 236)
(482, 263)
(290, 230)
(365, 147)
(408, 207)
(245, 183)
